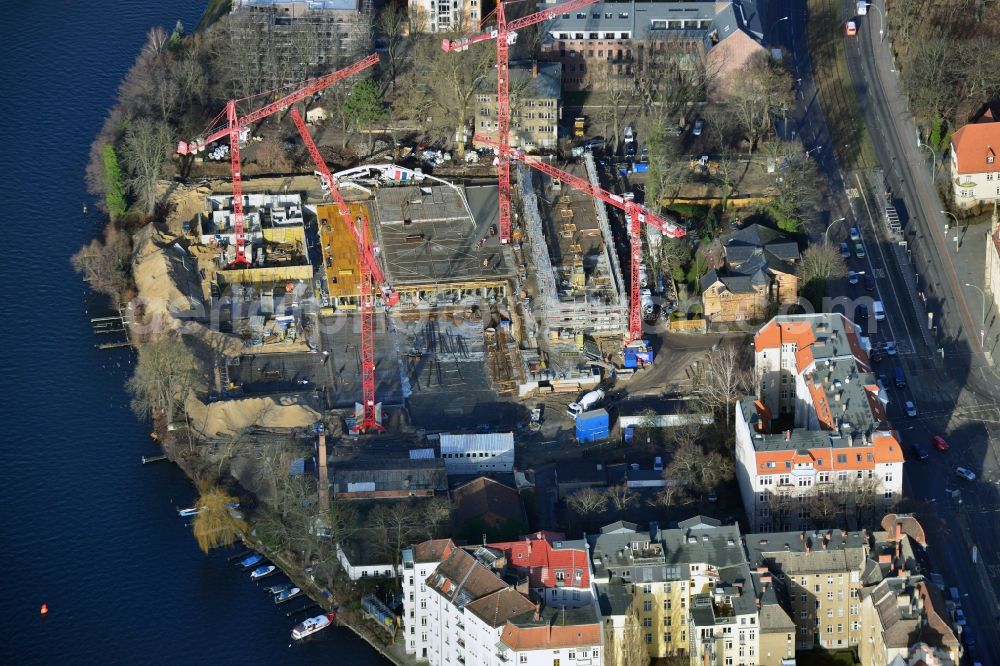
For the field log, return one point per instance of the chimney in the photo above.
(534, 69)
(788, 435)
(323, 482)
(538, 615)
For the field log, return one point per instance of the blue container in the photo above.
(593, 436)
(640, 167)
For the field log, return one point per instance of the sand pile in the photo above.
(222, 419)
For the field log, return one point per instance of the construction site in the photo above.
(384, 289)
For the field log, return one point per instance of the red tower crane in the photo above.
(370, 274)
(505, 34)
(635, 215)
(236, 123)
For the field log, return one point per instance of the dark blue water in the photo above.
(85, 528)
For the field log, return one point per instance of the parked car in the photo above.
(939, 443)
(699, 125)
(658, 464)
(852, 277)
(628, 133)
(875, 356)
(630, 149)
(859, 250)
(869, 281)
(713, 496)
(919, 451)
(861, 313)
(960, 617)
(597, 143)
(855, 234)
(911, 409)
(890, 347)
(965, 473)
(845, 250)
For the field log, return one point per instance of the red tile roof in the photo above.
(549, 636)
(974, 144)
(535, 555)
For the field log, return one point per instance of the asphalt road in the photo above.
(952, 392)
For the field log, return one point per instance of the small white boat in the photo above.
(186, 513)
(310, 626)
(262, 572)
(282, 597)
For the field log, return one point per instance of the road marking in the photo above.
(879, 273)
(868, 258)
(852, 193)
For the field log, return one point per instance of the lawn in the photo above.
(827, 52)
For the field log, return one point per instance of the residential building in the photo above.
(360, 560)
(558, 570)
(535, 105)
(690, 588)
(905, 616)
(289, 41)
(834, 449)
(975, 167)
(992, 285)
(819, 577)
(471, 609)
(484, 507)
(389, 479)
(445, 15)
(760, 270)
(616, 45)
(478, 453)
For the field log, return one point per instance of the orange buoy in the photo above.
(44, 610)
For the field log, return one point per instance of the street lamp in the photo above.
(826, 234)
(933, 156)
(812, 150)
(881, 21)
(783, 18)
(982, 321)
(946, 212)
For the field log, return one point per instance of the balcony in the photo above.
(461, 642)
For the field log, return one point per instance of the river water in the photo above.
(86, 529)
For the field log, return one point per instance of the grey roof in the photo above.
(547, 85)
(761, 546)
(751, 254)
(740, 244)
(613, 598)
(773, 616)
(633, 17)
(802, 439)
(392, 475)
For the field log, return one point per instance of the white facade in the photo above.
(476, 454)
(416, 600)
(974, 187)
(445, 15)
(359, 571)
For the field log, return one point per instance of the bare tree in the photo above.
(106, 265)
(797, 187)
(691, 468)
(759, 93)
(728, 374)
(587, 501)
(164, 375)
(621, 496)
(145, 151)
(436, 515)
(626, 647)
(823, 506)
(392, 23)
(819, 264)
(672, 494)
(394, 527)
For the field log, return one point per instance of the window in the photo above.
(667, 637)
(647, 622)
(524, 659)
(649, 638)
(647, 606)
(989, 176)
(647, 588)
(668, 621)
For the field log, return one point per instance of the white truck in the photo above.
(588, 401)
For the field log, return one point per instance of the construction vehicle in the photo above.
(505, 35)
(635, 215)
(237, 126)
(580, 126)
(587, 402)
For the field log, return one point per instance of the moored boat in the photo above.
(252, 560)
(282, 597)
(262, 571)
(311, 625)
(279, 588)
(186, 513)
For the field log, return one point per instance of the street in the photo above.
(947, 375)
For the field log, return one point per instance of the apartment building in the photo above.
(816, 441)
(609, 44)
(557, 569)
(903, 617)
(445, 15)
(975, 169)
(469, 606)
(535, 105)
(819, 575)
(690, 587)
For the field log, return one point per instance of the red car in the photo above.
(939, 443)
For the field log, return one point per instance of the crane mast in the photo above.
(635, 216)
(505, 35)
(369, 271)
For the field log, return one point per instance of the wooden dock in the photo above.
(152, 459)
(112, 325)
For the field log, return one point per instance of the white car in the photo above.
(911, 409)
(855, 234)
(966, 474)
(890, 347)
(852, 277)
(658, 464)
(699, 125)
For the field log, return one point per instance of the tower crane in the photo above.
(371, 274)
(235, 125)
(635, 216)
(505, 35)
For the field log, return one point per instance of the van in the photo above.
(899, 377)
(879, 311)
